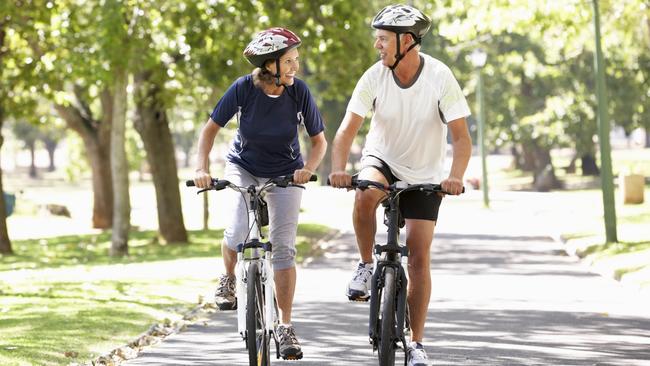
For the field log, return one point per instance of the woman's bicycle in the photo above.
(389, 321)
(255, 286)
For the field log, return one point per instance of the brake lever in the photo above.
(203, 190)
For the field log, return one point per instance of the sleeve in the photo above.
(313, 120)
(453, 104)
(364, 94)
(229, 103)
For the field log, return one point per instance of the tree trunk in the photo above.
(647, 135)
(206, 212)
(589, 167)
(153, 126)
(186, 161)
(120, 168)
(528, 159)
(32, 157)
(5, 243)
(51, 149)
(544, 178)
(96, 137)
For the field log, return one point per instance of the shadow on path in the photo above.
(497, 300)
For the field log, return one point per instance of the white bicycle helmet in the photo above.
(401, 19)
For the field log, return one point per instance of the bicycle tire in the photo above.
(257, 339)
(387, 322)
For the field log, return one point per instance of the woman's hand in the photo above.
(302, 176)
(202, 178)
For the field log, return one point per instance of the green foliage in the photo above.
(77, 166)
(539, 75)
(134, 149)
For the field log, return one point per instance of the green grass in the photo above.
(93, 250)
(63, 300)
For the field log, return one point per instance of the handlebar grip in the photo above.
(190, 183)
(314, 178)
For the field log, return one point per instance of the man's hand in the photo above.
(202, 179)
(340, 179)
(301, 176)
(452, 185)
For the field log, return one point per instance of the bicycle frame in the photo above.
(264, 264)
(255, 251)
(394, 255)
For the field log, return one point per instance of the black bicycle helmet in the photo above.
(271, 44)
(401, 19)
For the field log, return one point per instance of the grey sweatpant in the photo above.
(284, 208)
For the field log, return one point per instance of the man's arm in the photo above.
(462, 151)
(341, 148)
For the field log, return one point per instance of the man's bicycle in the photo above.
(389, 321)
(255, 286)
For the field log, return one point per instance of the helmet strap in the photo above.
(277, 72)
(399, 56)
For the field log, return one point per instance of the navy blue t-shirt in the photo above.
(266, 144)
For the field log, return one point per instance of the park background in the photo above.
(101, 103)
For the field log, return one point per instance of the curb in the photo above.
(154, 335)
(605, 272)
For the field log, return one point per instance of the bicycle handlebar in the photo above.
(281, 181)
(399, 186)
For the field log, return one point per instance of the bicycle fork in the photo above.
(375, 302)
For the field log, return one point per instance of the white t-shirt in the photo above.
(406, 130)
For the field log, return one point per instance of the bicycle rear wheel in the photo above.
(257, 339)
(387, 322)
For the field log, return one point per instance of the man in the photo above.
(415, 99)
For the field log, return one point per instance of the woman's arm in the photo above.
(202, 178)
(316, 154)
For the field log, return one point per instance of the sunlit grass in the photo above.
(64, 300)
(144, 246)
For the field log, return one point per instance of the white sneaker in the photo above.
(359, 287)
(417, 356)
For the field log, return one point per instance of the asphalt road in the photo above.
(498, 299)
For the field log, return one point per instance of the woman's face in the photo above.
(289, 66)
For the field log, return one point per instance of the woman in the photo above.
(270, 104)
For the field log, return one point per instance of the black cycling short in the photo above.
(414, 204)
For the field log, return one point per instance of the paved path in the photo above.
(503, 294)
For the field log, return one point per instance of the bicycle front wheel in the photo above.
(257, 339)
(387, 322)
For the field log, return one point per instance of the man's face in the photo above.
(385, 43)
